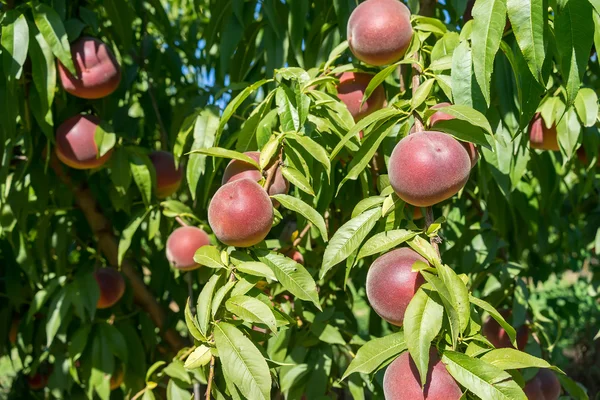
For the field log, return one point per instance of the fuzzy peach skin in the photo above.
(241, 213)
(391, 283)
(497, 335)
(540, 137)
(75, 145)
(98, 72)
(237, 169)
(351, 90)
(401, 380)
(182, 244)
(379, 31)
(543, 386)
(428, 167)
(112, 287)
(168, 177)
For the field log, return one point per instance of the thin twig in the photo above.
(270, 176)
(301, 235)
(181, 221)
(211, 376)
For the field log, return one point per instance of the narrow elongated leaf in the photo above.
(384, 241)
(302, 208)
(140, 167)
(422, 323)
(451, 312)
(242, 361)
(129, 231)
(573, 41)
(422, 92)
(375, 352)
(459, 294)
(293, 276)
(121, 17)
(482, 378)
(220, 295)
(59, 308)
(209, 256)
(105, 138)
(514, 359)
(528, 22)
(192, 323)
(468, 114)
(52, 29)
(199, 358)
(257, 269)
(347, 239)
(315, 150)
(203, 308)
(205, 128)
(43, 68)
(489, 19)
(510, 331)
(297, 179)
(15, 43)
(586, 105)
(465, 89)
(251, 310)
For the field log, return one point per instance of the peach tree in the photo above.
(299, 199)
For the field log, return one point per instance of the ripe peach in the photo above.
(14, 330)
(543, 386)
(168, 177)
(391, 283)
(75, 145)
(182, 245)
(98, 72)
(497, 335)
(442, 116)
(351, 89)
(540, 137)
(295, 255)
(237, 169)
(379, 31)
(428, 167)
(241, 213)
(37, 381)
(401, 380)
(116, 378)
(582, 156)
(112, 287)
(417, 213)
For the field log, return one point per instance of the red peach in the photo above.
(183, 244)
(540, 137)
(75, 144)
(442, 116)
(112, 287)
(168, 177)
(351, 90)
(492, 330)
(237, 169)
(543, 386)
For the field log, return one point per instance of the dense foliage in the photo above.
(292, 316)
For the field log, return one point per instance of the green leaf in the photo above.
(459, 294)
(384, 241)
(489, 19)
(451, 312)
(463, 131)
(251, 310)
(121, 18)
(569, 130)
(573, 41)
(481, 378)
(315, 150)
(510, 331)
(209, 256)
(335, 54)
(224, 153)
(192, 323)
(293, 276)
(120, 174)
(586, 105)
(129, 231)
(175, 392)
(422, 323)
(105, 138)
(367, 203)
(199, 358)
(103, 364)
(422, 93)
(115, 340)
(514, 359)
(297, 179)
(468, 114)
(176, 370)
(234, 104)
(347, 239)
(528, 21)
(43, 69)
(52, 29)
(205, 128)
(79, 341)
(74, 27)
(140, 167)
(375, 352)
(465, 89)
(182, 136)
(220, 295)
(302, 208)
(243, 362)
(573, 388)
(15, 43)
(174, 208)
(203, 307)
(257, 269)
(59, 307)
(424, 248)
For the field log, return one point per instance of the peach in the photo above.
(237, 169)
(37, 381)
(442, 116)
(182, 245)
(351, 89)
(379, 31)
(98, 72)
(168, 176)
(116, 378)
(582, 156)
(112, 287)
(391, 283)
(428, 167)
(543, 386)
(401, 380)
(497, 335)
(14, 330)
(75, 145)
(295, 255)
(540, 137)
(241, 213)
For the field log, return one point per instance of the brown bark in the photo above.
(427, 8)
(108, 245)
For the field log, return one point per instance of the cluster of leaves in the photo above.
(262, 320)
